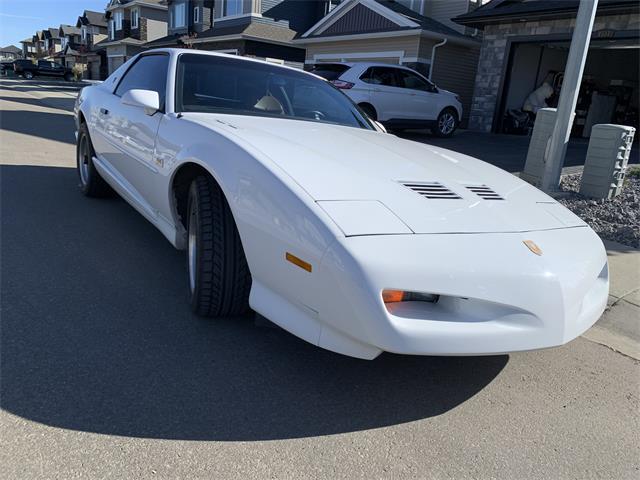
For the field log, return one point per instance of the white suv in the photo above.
(396, 96)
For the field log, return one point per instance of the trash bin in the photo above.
(606, 162)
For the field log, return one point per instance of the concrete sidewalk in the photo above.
(619, 327)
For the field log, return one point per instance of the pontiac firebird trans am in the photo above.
(288, 199)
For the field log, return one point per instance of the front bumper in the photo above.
(496, 296)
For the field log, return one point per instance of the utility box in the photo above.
(606, 162)
(538, 145)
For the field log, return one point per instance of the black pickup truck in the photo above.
(43, 68)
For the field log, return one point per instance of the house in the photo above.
(52, 42)
(258, 28)
(81, 45)
(187, 18)
(131, 24)
(28, 48)
(69, 42)
(526, 44)
(415, 33)
(93, 28)
(39, 44)
(10, 52)
(93, 31)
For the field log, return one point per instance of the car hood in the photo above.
(336, 163)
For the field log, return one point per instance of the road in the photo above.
(106, 374)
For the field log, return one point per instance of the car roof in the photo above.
(177, 51)
(363, 64)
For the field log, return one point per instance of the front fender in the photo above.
(274, 215)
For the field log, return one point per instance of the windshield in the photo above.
(227, 85)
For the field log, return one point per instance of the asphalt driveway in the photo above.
(106, 374)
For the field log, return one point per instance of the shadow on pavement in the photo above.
(60, 103)
(59, 126)
(97, 336)
(508, 152)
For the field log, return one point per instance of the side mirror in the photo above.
(379, 126)
(146, 99)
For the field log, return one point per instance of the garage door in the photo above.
(115, 63)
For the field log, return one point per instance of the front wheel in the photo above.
(68, 77)
(447, 123)
(219, 277)
(91, 183)
(28, 75)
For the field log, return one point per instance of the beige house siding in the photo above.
(156, 29)
(387, 47)
(443, 11)
(454, 69)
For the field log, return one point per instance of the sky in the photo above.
(19, 19)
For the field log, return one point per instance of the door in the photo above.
(389, 101)
(45, 68)
(134, 131)
(424, 97)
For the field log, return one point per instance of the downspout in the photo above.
(433, 56)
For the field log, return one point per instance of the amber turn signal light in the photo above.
(298, 262)
(394, 296)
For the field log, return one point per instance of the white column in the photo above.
(554, 158)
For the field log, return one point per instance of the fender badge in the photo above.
(531, 245)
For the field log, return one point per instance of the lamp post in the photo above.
(554, 156)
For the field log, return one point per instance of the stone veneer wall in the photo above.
(493, 56)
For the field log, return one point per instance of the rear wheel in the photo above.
(447, 123)
(219, 277)
(28, 75)
(91, 183)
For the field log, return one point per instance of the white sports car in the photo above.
(289, 200)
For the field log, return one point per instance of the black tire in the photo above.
(219, 277)
(91, 183)
(443, 127)
(68, 77)
(28, 75)
(369, 110)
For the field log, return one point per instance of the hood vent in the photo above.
(432, 190)
(484, 192)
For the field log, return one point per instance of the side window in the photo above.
(380, 76)
(412, 81)
(148, 73)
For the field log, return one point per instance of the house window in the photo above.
(64, 42)
(84, 33)
(117, 16)
(330, 5)
(196, 15)
(232, 7)
(135, 18)
(178, 16)
(112, 29)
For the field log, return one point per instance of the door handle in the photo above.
(104, 111)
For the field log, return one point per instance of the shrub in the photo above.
(78, 70)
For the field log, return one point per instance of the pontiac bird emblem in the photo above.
(531, 245)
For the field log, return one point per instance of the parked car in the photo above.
(44, 68)
(399, 97)
(290, 201)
